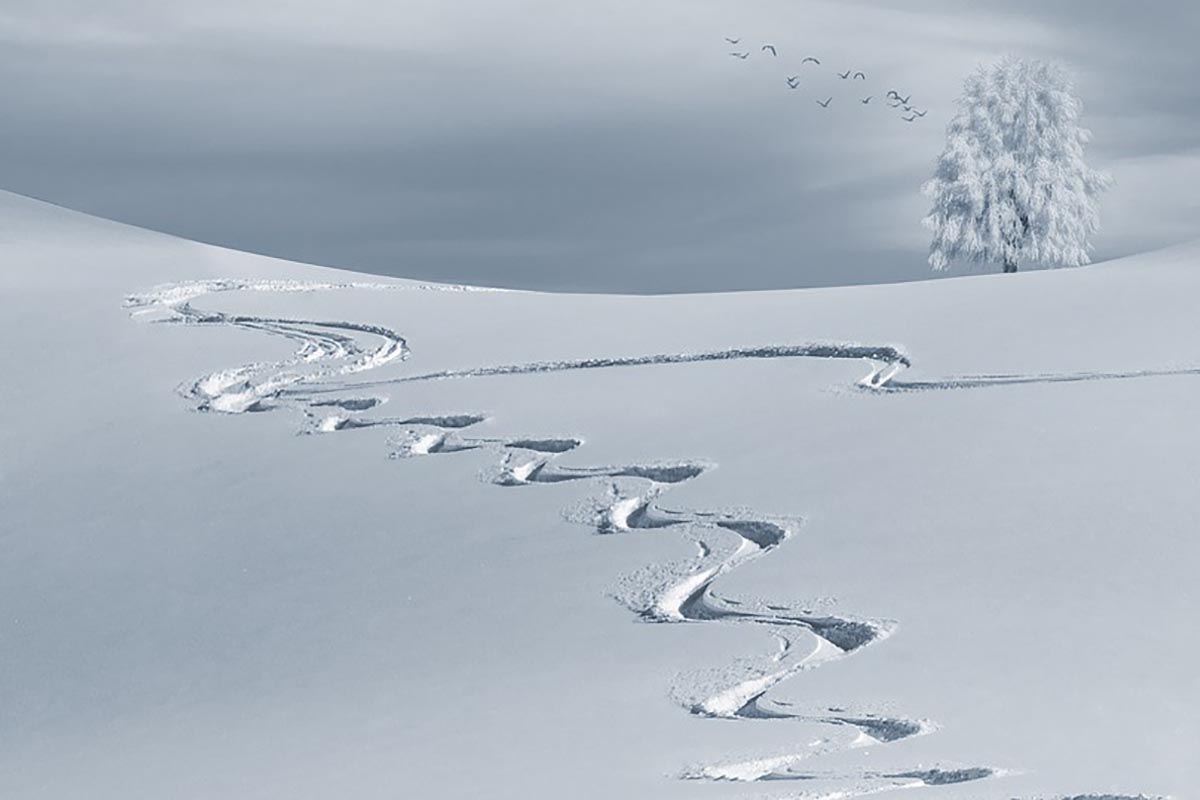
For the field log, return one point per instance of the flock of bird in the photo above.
(894, 99)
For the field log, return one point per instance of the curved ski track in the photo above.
(681, 592)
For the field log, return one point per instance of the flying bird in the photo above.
(919, 113)
(742, 56)
(909, 119)
(825, 103)
(904, 99)
(865, 100)
(810, 58)
(844, 75)
(860, 75)
(793, 83)
(732, 41)
(893, 93)
(895, 105)
(770, 47)
(907, 107)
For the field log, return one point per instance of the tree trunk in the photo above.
(1010, 266)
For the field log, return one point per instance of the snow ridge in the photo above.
(313, 382)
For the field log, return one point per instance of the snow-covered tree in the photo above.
(1011, 185)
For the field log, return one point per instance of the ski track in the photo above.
(991, 381)
(680, 592)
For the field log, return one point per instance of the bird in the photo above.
(732, 41)
(860, 75)
(895, 105)
(844, 75)
(770, 47)
(904, 99)
(742, 56)
(907, 107)
(919, 113)
(825, 103)
(865, 100)
(909, 119)
(793, 83)
(810, 58)
(893, 93)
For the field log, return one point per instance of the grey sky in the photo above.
(603, 146)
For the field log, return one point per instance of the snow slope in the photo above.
(272, 530)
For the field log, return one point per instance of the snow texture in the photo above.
(201, 605)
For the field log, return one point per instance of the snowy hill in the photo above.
(272, 530)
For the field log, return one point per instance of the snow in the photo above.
(971, 575)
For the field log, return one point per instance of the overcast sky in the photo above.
(610, 145)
